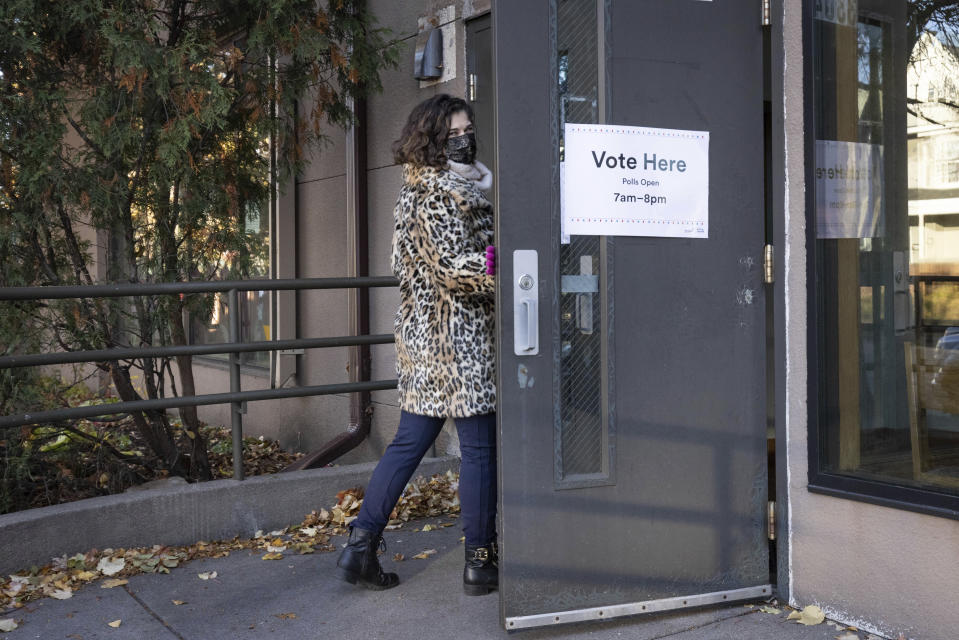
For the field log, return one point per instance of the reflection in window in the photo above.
(249, 233)
(214, 327)
(887, 248)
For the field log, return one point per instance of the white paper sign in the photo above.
(848, 189)
(635, 181)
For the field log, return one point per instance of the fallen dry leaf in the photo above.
(428, 527)
(206, 575)
(848, 636)
(811, 615)
(115, 582)
(272, 556)
(179, 602)
(768, 609)
(795, 615)
(285, 616)
(111, 566)
(8, 624)
(425, 554)
(399, 557)
(115, 624)
(61, 594)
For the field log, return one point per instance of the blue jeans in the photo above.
(477, 486)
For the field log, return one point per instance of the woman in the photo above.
(444, 259)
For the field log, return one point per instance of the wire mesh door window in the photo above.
(582, 441)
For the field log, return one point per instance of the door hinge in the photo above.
(769, 265)
(771, 519)
(766, 12)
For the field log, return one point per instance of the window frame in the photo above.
(222, 361)
(883, 493)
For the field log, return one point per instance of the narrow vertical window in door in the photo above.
(583, 445)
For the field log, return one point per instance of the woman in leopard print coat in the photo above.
(443, 256)
(444, 357)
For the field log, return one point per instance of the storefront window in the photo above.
(885, 220)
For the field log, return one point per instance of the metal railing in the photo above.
(236, 397)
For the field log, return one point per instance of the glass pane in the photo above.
(887, 248)
(582, 440)
(254, 305)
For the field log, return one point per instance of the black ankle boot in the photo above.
(481, 573)
(358, 562)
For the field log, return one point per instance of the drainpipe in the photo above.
(357, 210)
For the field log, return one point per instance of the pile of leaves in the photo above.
(261, 456)
(422, 497)
(53, 464)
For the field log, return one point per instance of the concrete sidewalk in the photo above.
(298, 598)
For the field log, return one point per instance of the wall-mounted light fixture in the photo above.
(428, 59)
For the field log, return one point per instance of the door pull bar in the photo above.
(532, 324)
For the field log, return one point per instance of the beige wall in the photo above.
(320, 251)
(881, 569)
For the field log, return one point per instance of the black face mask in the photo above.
(462, 148)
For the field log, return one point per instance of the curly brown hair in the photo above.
(423, 141)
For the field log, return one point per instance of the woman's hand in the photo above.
(491, 260)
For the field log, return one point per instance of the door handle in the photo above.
(532, 325)
(525, 303)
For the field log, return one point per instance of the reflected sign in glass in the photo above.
(842, 12)
(848, 189)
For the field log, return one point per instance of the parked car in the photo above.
(945, 380)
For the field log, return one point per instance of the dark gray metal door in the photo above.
(632, 444)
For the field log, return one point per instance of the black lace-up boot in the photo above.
(358, 562)
(481, 573)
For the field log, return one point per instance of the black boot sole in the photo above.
(477, 589)
(354, 578)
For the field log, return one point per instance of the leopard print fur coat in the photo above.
(444, 326)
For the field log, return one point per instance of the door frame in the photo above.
(777, 197)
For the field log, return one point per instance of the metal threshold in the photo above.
(634, 608)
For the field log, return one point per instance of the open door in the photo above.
(632, 440)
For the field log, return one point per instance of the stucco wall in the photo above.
(320, 247)
(880, 569)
